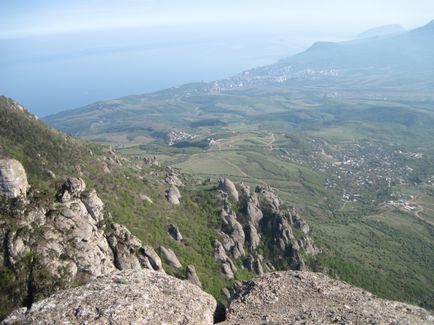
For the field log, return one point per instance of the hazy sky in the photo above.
(29, 17)
(56, 55)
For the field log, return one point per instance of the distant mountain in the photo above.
(381, 31)
(391, 63)
(409, 54)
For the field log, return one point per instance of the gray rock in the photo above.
(50, 173)
(173, 179)
(94, 206)
(192, 276)
(308, 245)
(313, 298)
(221, 256)
(170, 257)
(127, 249)
(174, 232)
(128, 297)
(235, 241)
(153, 257)
(226, 293)
(252, 237)
(72, 188)
(70, 242)
(13, 179)
(299, 223)
(227, 271)
(254, 264)
(254, 213)
(173, 195)
(271, 198)
(226, 185)
(151, 161)
(145, 198)
(281, 230)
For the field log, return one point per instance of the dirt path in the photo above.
(420, 210)
(236, 167)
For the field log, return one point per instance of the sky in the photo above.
(57, 55)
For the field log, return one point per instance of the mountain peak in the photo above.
(381, 31)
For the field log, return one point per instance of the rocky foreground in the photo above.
(128, 297)
(149, 297)
(313, 298)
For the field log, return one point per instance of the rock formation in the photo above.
(128, 297)
(260, 223)
(68, 240)
(293, 297)
(13, 179)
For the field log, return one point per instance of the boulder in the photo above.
(127, 249)
(191, 276)
(254, 264)
(226, 293)
(72, 188)
(153, 257)
(252, 237)
(226, 185)
(170, 257)
(145, 198)
(174, 232)
(13, 179)
(227, 271)
(293, 297)
(221, 256)
(128, 297)
(253, 209)
(173, 195)
(233, 237)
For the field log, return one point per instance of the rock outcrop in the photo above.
(172, 178)
(270, 196)
(13, 179)
(151, 161)
(226, 185)
(293, 297)
(128, 297)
